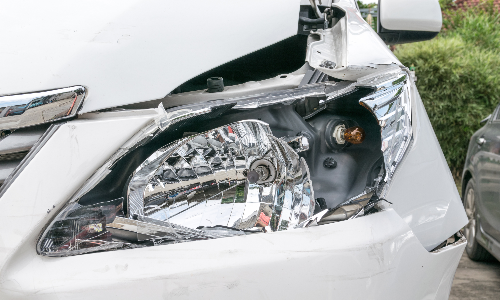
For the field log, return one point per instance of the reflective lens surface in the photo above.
(234, 180)
(392, 107)
(237, 176)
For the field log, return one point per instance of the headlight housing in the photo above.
(242, 175)
(391, 105)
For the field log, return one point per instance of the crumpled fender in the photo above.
(350, 49)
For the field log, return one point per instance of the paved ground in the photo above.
(476, 280)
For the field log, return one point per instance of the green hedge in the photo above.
(458, 76)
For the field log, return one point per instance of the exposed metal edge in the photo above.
(445, 246)
(350, 200)
(27, 159)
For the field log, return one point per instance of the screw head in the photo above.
(330, 163)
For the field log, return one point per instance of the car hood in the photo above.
(130, 51)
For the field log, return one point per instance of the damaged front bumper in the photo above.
(375, 257)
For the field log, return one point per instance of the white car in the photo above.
(217, 149)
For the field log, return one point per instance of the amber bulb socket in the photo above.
(354, 135)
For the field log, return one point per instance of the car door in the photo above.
(488, 177)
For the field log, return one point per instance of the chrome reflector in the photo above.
(237, 176)
(233, 180)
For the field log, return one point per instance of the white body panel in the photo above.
(411, 15)
(423, 191)
(63, 164)
(134, 50)
(360, 257)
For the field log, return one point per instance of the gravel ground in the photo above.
(476, 280)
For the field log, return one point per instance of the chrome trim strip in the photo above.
(23, 110)
(27, 159)
(21, 140)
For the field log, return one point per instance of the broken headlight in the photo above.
(233, 180)
(228, 173)
(391, 106)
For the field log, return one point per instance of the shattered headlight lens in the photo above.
(391, 105)
(234, 180)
